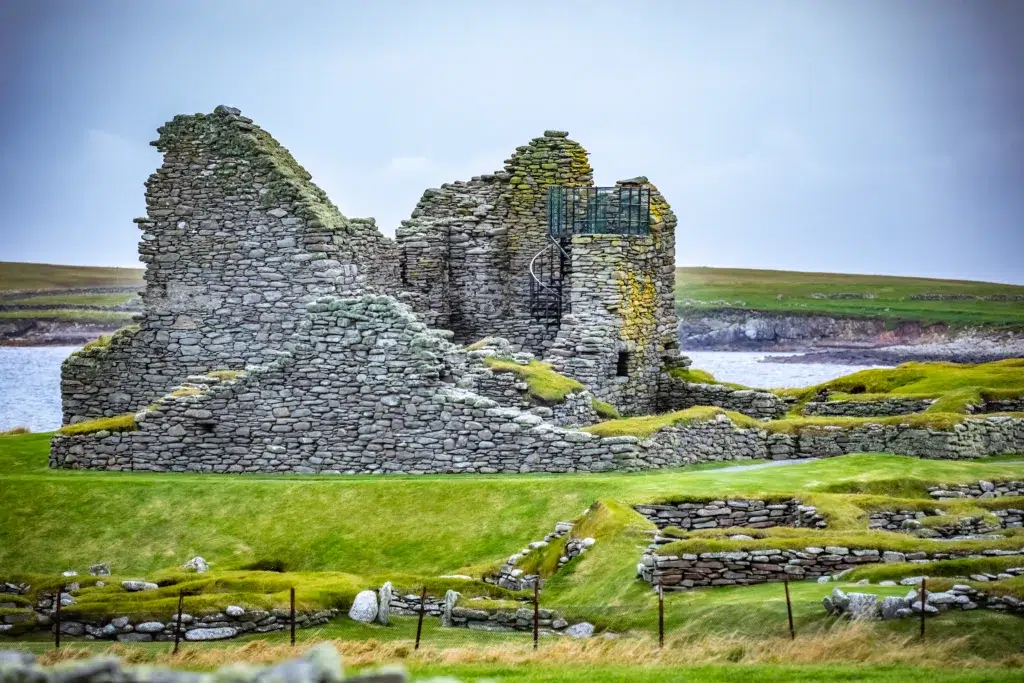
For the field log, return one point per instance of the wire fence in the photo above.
(452, 621)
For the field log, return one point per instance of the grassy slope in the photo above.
(759, 290)
(39, 276)
(21, 276)
(346, 533)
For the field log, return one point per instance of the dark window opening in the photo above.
(403, 271)
(206, 427)
(622, 365)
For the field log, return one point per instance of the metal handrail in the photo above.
(533, 274)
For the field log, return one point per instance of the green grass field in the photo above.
(335, 535)
(27, 276)
(707, 288)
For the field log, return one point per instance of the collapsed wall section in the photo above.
(237, 239)
(366, 388)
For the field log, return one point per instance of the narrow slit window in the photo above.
(622, 365)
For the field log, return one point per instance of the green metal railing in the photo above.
(599, 211)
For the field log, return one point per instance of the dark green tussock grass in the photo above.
(212, 592)
(545, 384)
(118, 423)
(760, 290)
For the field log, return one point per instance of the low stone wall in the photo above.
(757, 514)
(1010, 517)
(482, 437)
(1006, 405)
(888, 407)
(746, 567)
(679, 394)
(959, 597)
(506, 620)
(910, 522)
(978, 489)
(511, 577)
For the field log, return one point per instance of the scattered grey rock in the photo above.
(583, 629)
(218, 633)
(364, 607)
(196, 564)
(133, 586)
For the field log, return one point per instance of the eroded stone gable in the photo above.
(236, 240)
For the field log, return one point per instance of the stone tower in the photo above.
(237, 240)
(538, 255)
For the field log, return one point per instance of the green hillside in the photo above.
(957, 302)
(68, 294)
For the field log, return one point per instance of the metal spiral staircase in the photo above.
(547, 275)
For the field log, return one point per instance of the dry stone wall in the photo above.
(978, 489)
(889, 406)
(366, 387)
(747, 567)
(236, 241)
(1007, 405)
(721, 514)
(678, 394)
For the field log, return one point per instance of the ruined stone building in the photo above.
(280, 336)
(237, 241)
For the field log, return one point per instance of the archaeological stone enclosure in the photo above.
(279, 335)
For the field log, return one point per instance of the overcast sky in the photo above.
(832, 135)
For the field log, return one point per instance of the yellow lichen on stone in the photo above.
(638, 307)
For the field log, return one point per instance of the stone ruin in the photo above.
(278, 334)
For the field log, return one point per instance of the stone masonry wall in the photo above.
(890, 406)
(242, 427)
(678, 394)
(978, 489)
(614, 304)
(466, 250)
(366, 388)
(237, 239)
(720, 514)
(1007, 405)
(746, 567)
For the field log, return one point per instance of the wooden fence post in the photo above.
(419, 622)
(789, 610)
(56, 639)
(536, 611)
(178, 626)
(292, 594)
(923, 594)
(661, 615)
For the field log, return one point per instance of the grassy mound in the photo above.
(545, 384)
(954, 385)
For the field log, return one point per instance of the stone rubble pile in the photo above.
(752, 513)
(857, 605)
